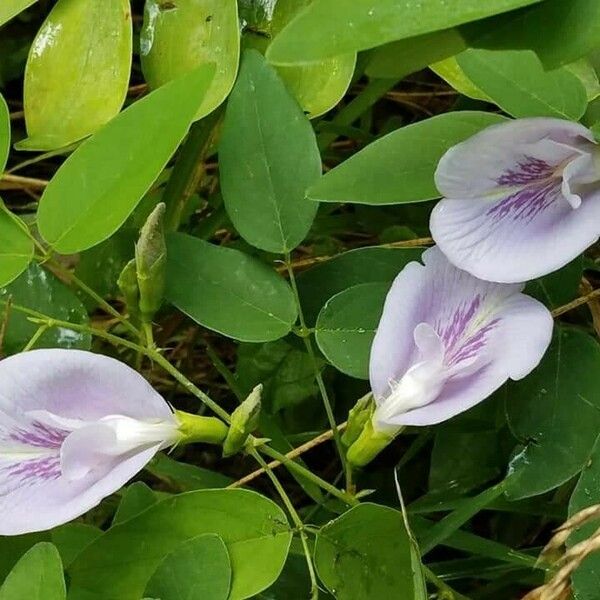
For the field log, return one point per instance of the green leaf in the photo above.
(268, 156)
(570, 30)
(72, 538)
(516, 81)
(399, 167)
(587, 493)
(37, 576)
(559, 287)
(13, 547)
(286, 372)
(317, 86)
(362, 265)
(179, 37)
(451, 72)
(555, 413)
(137, 498)
(366, 554)
(254, 529)
(228, 291)
(346, 327)
(4, 132)
(77, 72)
(184, 476)
(16, 251)
(401, 58)
(100, 184)
(197, 569)
(41, 291)
(330, 27)
(11, 8)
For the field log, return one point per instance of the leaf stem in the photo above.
(314, 588)
(71, 277)
(319, 378)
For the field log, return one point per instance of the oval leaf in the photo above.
(268, 157)
(346, 327)
(366, 554)
(197, 569)
(318, 86)
(254, 529)
(555, 413)
(17, 248)
(399, 167)
(11, 8)
(316, 33)
(181, 36)
(515, 80)
(37, 576)
(362, 265)
(39, 290)
(77, 72)
(228, 291)
(100, 184)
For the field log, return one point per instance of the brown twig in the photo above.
(324, 437)
(575, 303)
(9, 181)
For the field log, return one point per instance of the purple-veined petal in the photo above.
(74, 428)
(473, 167)
(522, 199)
(490, 332)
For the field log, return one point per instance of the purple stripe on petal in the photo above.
(527, 171)
(473, 345)
(28, 471)
(39, 435)
(528, 202)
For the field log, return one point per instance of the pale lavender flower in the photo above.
(447, 340)
(522, 199)
(74, 427)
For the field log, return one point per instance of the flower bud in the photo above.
(150, 260)
(128, 285)
(357, 419)
(244, 421)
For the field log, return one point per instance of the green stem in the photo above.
(374, 90)
(36, 336)
(319, 378)
(95, 296)
(308, 474)
(222, 369)
(314, 588)
(189, 169)
(148, 334)
(446, 592)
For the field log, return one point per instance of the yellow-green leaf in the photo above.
(11, 8)
(16, 248)
(77, 72)
(100, 184)
(180, 36)
(317, 86)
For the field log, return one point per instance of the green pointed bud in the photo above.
(151, 263)
(369, 444)
(244, 421)
(195, 428)
(357, 419)
(128, 285)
